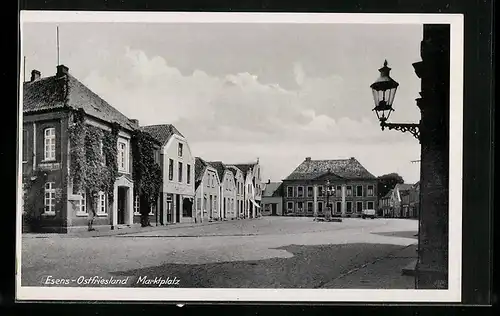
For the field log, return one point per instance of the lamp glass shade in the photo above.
(383, 91)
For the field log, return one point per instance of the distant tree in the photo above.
(387, 182)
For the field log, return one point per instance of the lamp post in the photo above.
(384, 90)
(329, 191)
(431, 269)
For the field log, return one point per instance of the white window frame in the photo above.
(300, 209)
(82, 203)
(102, 204)
(347, 209)
(368, 203)
(50, 190)
(322, 207)
(357, 203)
(359, 186)
(303, 193)
(123, 154)
(170, 169)
(288, 208)
(180, 171)
(49, 139)
(372, 190)
(337, 209)
(347, 190)
(136, 205)
(312, 206)
(321, 190)
(312, 191)
(188, 173)
(338, 191)
(287, 191)
(180, 149)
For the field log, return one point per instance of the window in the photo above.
(320, 207)
(370, 205)
(289, 207)
(359, 190)
(338, 207)
(122, 156)
(179, 149)
(82, 203)
(309, 207)
(309, 191)
(188, 175)
(101, 203)
(170, 169)
(289, 191)
(25, 145)
(349, 190)
(339, 191)
(50, 198)
(370, 190)
(136, 205)
(300, 206)
(180, 171)
(320, 190)
(359, 207)
(300, 191)
(50, 143)
(349, 207)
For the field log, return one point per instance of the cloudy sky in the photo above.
(238, 92)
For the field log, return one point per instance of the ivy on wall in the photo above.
(33, 199)
(93, 165)
(146, 173)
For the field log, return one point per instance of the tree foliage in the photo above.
(93, 162)
(387, 182)
(33, 198)
(146, 173)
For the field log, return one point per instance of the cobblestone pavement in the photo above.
(274, 252)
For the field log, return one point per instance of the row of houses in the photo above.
(401, 202)
(192, 189)
(343, 187)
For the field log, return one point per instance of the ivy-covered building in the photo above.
(76, 157)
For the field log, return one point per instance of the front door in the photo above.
(274, 209)
(122, 194)
(177, 208)
(169, 211)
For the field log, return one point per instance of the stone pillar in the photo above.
(174, 208)
(343, 200)
(315, 200)
(130, 204)
(434, 72)
(114, 212)
(181, 205)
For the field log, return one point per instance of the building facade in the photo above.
(207, 184)
(252, 191)
(343, 184)
(399, 202)
(177, 164)
(272, 199)
(227, 192)
(239, 181)
(51, 108)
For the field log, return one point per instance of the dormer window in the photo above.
(180, 149)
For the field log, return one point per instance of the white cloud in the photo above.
(238, 118)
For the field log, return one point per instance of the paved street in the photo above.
(269, 252)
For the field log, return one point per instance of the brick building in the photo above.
(353, 188)
(50, 106)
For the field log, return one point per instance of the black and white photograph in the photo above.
(240, 157)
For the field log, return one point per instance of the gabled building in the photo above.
(52, 106)
(239, 181)
(177, 164)
(352, 188)
(386, 204)
(207, 186)
(396, 203)
(272, 199)
(252, 188)
(227, 206)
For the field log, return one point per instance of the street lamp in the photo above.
(384, 90)
(329, 191)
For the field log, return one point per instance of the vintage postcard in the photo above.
(242, 157)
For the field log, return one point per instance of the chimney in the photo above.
(62, 71)
(308, 158)
(35, 75)
(135, 122)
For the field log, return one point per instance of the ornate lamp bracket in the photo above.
(413, 128)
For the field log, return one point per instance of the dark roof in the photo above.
(220, 167)
(67, 92)
(403, 186)
(388, 194)
(235, 170)
(162, 132)
(272, 189)
(245, 167)
(344, 168)
(200, 166)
